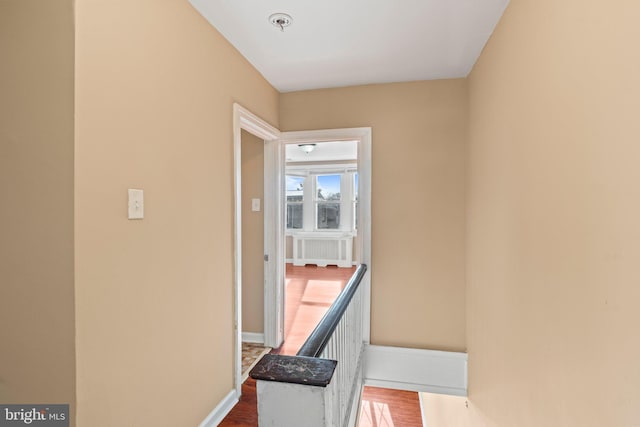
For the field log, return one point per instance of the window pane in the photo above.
(294, 201)
(328, 187)
(328, 216)
(294, 183)
(294, 216)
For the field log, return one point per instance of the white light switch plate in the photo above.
(255, 205)
(136, 204)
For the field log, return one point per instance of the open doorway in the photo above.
(253, 268)
(361, 244)
(274, 143)
(251, 211)
(320, 205)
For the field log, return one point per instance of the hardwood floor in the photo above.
(380, 407)
(310, 291)
(245, 413)
(383, 407)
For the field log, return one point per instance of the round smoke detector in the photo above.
(280, 20)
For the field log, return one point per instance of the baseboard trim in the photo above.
(216, 416)
(290, 261)
(253, 337)
(431, 371)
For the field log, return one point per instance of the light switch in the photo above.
(255, 205)
(136, 204)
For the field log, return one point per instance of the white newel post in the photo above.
(285, 403)
(320, 387)
(294, 405)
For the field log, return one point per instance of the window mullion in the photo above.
(345, 201)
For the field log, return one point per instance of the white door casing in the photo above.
(274, 224)
(363, 136)
(245, 119)
(274, 173)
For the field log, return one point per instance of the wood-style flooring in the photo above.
(245, 413)
(380, 407)
(383, 407)
(310, 291)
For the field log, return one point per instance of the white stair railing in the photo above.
(320, 386)
(346, 347)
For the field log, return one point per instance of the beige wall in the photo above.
(554, 203)
(441, 410)
(419, 134)
(37, 352)
(252, 234)
(154, 298)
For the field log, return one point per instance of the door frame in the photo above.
(275, 290)
(274, 220)
(243, 119)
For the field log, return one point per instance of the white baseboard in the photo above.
(290, 261)
(253, 337)
(216, 416)
(413, 369)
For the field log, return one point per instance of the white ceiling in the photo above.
(323, 152)
(334, 43)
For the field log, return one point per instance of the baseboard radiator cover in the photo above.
(322, 249)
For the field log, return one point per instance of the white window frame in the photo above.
(354, 201)
(347, 194)
(317, 202)
(287, 202)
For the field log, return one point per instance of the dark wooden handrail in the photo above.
(317, 341)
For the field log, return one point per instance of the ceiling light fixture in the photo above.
(281, 20)
(307, 148)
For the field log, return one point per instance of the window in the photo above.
(295, 199)
(327, 202)
(321, 199)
